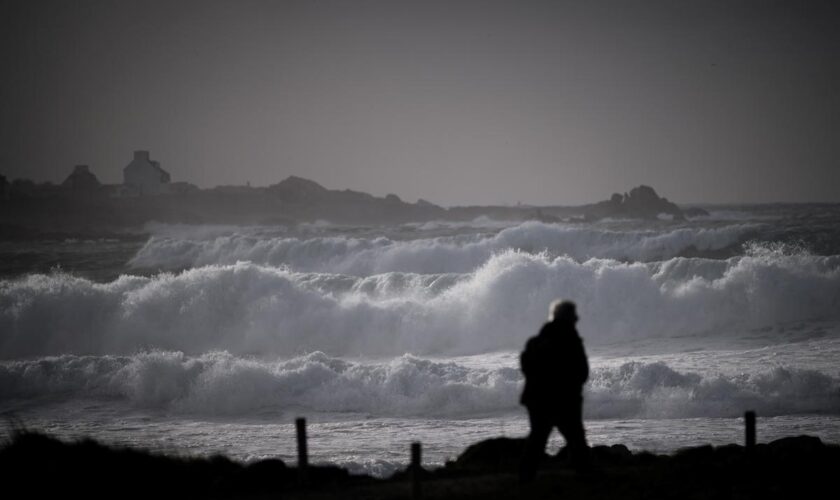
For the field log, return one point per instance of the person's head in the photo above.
(563, 311)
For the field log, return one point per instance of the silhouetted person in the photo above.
(555, 367)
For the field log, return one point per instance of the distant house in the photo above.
(81, 181)
(144, 177)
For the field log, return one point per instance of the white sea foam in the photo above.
(480, 222)
(688, 320)
(246, 308)
(461, 253)
(407, 386)
(654, 390)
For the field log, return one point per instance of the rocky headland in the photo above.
(30, 210)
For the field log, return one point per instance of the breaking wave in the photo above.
(446, 254)
(221, 384)
(252, 309)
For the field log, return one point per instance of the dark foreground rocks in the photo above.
(35, 466)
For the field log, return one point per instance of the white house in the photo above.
(145, 177)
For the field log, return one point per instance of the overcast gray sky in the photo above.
(457, 102)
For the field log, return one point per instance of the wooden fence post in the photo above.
(303, 453)
(749, 424)
(416, 469)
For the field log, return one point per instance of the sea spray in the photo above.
(246, 308)
(219, 383)
(371, 332)
(457, 254)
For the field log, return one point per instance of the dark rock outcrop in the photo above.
(82, 206)
(307, 200)
(492, 455)
(616, 454)
(641, 202)
(88, 469)
(295, 189)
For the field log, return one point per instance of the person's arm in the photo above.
(526, 362)
(583, 364)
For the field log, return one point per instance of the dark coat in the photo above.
(555, 367)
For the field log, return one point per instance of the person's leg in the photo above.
(570, 425)
(541, 425)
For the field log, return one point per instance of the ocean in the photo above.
(197, 340)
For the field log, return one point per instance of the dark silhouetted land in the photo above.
(29, 210)
(37, 466)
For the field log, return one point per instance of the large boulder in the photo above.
(492, 455)
(794, 445)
